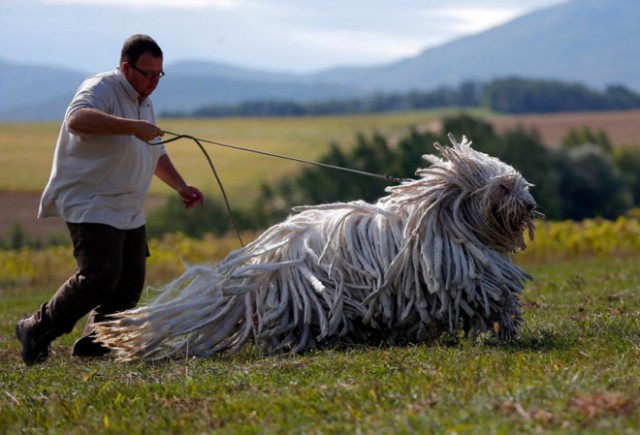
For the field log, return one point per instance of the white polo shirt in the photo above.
(102, 179)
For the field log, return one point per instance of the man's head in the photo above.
(141, 64)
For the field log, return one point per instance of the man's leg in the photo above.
(125, 295)
(36, 334)
(97, 249)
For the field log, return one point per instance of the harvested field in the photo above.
(22, 208)
(622, 128)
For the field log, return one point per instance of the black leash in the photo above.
(280, 156)
(199, 142)
(215, 173)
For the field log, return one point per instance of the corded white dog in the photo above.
(432, 256)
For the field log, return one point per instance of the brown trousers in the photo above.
(110, 276)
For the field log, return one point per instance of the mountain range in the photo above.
(592, 42)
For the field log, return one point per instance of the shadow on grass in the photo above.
(540, 340)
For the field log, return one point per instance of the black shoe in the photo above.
(34, 350)
(86, 346)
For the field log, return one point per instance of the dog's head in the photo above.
(508, 211)
(476, 195)
(460, 217)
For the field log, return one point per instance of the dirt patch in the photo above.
(621, 127)
(22, 208)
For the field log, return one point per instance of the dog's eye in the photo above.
(506, 188)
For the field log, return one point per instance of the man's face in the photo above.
(144, 74)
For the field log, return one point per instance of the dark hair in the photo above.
(136, 45)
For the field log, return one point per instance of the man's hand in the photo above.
(147, 131)
(191, 196)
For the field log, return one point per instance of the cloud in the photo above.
(473, 20)
(370, 45)
(140, 4)
(292, 35)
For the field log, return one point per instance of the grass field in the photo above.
(26, 153)
(26, 149)
(574, 369)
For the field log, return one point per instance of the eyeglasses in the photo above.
(149, 75)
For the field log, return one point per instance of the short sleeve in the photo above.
(93, 93)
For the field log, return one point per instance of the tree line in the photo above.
(584, 178)
(507, 95)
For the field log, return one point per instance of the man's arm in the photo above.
(93, 121)
(165, 170)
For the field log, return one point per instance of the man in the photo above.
(102, 168)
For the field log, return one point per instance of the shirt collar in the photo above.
(130, 90)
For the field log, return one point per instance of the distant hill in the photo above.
(35, 91)
(187, 87)
(592, 42)
(30, 92)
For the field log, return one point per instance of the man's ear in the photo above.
(125, 67)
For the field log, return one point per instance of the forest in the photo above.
(510, 95)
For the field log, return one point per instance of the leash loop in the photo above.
(199, 141)
(215, 173)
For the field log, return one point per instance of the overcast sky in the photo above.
(277, 35)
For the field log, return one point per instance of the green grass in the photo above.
(574, 369)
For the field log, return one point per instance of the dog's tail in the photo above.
(191, 317)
